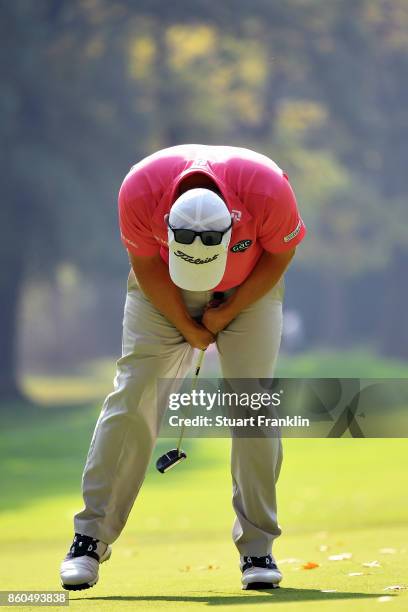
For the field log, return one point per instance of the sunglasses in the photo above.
(208, 237)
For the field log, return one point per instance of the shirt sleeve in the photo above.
(135, 229)
(282, 228)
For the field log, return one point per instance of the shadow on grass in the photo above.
(43, 452)
(274, 595)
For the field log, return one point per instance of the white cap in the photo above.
(195, 266)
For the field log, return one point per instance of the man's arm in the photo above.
(153, 276)
(263, 277)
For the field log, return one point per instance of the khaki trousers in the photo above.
(126, 431)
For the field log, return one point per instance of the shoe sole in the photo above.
(78, 587)
(260, 586)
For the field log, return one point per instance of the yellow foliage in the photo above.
(234, 69)
(187, 43)
(252, 67)
(221, 78)
(318, 176)
(247, 106)
(141, 56)
(301, 115)
(249, 58)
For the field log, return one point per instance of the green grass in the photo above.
(91, 381)
(337, 495)
(356, 363)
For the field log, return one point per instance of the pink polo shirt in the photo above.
(255, 190)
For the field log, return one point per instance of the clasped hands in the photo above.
(214, 319)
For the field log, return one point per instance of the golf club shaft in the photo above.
(193, 386)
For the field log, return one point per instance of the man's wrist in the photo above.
(186, 324)
(231, 307)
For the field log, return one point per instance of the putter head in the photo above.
(169, 460)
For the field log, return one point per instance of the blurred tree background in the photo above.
(89, 87)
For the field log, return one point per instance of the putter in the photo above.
(175, 455)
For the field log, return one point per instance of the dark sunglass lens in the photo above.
(184, 236)
(211, 238)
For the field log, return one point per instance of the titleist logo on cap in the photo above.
(193, 260)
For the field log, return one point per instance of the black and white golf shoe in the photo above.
(80, 568)
(259, 573)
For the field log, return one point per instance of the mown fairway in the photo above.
(336, 496)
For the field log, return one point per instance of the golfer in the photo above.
(195, 220)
